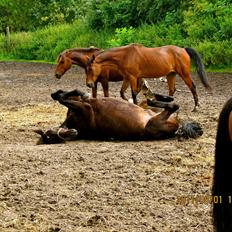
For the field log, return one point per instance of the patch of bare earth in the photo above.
(100, 185)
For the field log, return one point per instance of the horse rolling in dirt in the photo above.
(107, 118)
(80, 57)
(136, 61)
(222, 185)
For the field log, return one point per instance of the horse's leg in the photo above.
(188, 81)
(65, 95)
(94, 90)
(83, 108)
(159, 126)
(124, 87)
(105, 86)
(171, 83)
(134, 88)
(171, 107)
(140, 84)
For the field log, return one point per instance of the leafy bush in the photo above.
(217, 54)
(110, 14)
(123, 36)
(208, 20)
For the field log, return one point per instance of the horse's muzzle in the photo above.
(90, 84)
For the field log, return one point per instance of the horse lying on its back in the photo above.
(106, 118)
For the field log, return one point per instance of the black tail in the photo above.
(200, 66)
(189, 130)
(222, 185)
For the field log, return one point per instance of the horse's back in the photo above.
(159, 61)
(145, 62)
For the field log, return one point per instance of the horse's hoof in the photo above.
(56, 95)
(151, 102)
(195, 109)
(164, 98)
(174, 107)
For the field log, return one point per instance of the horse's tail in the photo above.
(222, 212)
(200, 66)
(189, 129)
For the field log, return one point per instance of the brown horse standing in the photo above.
(136, 61)
(80, 57)
(222, 185)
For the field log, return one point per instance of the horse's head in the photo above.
(93, 70)
(64, 63)
(56, 135)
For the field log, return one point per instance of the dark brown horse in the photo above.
(80, 56)
(107, 118)
(222, 185)
(136, 61)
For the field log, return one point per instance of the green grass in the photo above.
(45, 45)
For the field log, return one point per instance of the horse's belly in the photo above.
(151, 72)
(114, 75)
(154, 66)
(123, 127)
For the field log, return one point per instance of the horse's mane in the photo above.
(82, 50)
(222, 185)
(105, 54)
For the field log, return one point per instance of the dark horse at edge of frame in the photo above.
(112, 118)
(136, 61)
(80, 57)
(222, 184)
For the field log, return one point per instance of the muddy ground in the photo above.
(100, 185)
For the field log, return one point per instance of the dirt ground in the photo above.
(101, 185)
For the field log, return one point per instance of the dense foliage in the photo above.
(29, 15)
(46, 27)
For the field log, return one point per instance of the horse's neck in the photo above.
(79, 58)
